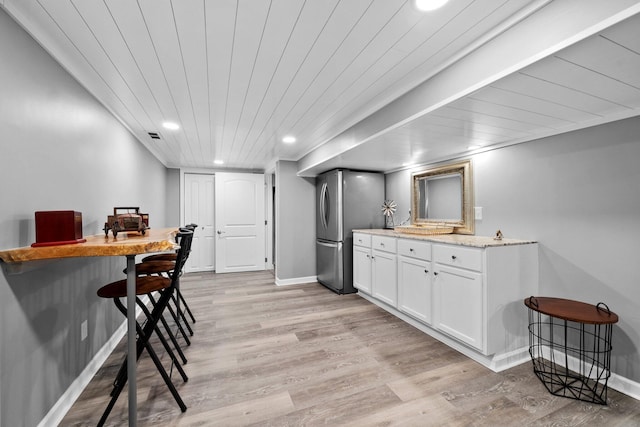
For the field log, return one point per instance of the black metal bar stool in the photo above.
(178, 297)
(147, 285)
(165, 269)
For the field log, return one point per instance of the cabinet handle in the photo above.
(435, 273)
(372, 257)
(453, 257)
(410, 249)
(382, 244)
(368, 256)
(426, 271)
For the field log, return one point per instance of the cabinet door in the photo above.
(362, 269)
(458, 304)
(414, 288)
(385, 277)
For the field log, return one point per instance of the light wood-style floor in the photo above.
(302, 356)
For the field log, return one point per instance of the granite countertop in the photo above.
(454, 239)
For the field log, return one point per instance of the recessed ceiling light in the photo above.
(170, 125)
(289, 139)
(218, 162)
(427, 5)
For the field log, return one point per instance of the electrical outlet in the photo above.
(478, 212)
(84, 331)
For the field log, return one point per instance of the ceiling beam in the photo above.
(549, 29)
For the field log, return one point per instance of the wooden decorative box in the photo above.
(58, 228)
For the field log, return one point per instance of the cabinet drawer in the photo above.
(382, 243)
(360, 239)
(457, 256)
(414, 249)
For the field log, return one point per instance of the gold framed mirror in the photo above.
(443, 195)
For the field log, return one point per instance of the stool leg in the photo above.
(180, 328)
(143, 343)
(179, 313)
(178, 303)
(175, 318)
(152, 325)
(172, 338)
(186, 306)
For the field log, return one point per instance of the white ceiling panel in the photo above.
(190, 27)
(580, 85)
(238, 75)
(581, 79)
(555, 93)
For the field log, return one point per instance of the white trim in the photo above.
(616, 382)
(625, 385)
(68, 398)
(497, 362)
(502, 361)
(296, 281)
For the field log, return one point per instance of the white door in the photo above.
(414, 288)
(458, 304)
(385, 277)
(198, 209)
(362, 269)
(239, 216)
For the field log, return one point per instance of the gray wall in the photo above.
(60, 149)
(578, 195)
(173, 198)
(295, 223)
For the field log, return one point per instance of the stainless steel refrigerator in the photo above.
(346, 200)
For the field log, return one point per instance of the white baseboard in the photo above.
(68, 398)
(616, 382)
(499, 362)
(625, 386)
(296, 281)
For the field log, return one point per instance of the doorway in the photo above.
(199, 209)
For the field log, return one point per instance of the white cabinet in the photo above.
(415, 279)
(362, 268)
(465, 290)
(384, 286)
(374, 266)
(478, 294)
(458, 297)
(459, 293)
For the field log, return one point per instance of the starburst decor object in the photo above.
(388, 209)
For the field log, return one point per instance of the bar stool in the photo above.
(163, 264)
(147, 285)
(165, 269)
(178, 297)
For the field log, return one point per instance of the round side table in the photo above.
(570, 346)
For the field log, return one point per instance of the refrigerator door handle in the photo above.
(328, 244)
(323, 205)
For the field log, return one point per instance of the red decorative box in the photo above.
(58, 228)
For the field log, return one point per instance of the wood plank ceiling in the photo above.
(239, 75)
(592, 82)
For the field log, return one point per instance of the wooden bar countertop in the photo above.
(154, 240)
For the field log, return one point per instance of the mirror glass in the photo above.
(440, 197)
(443, 195)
